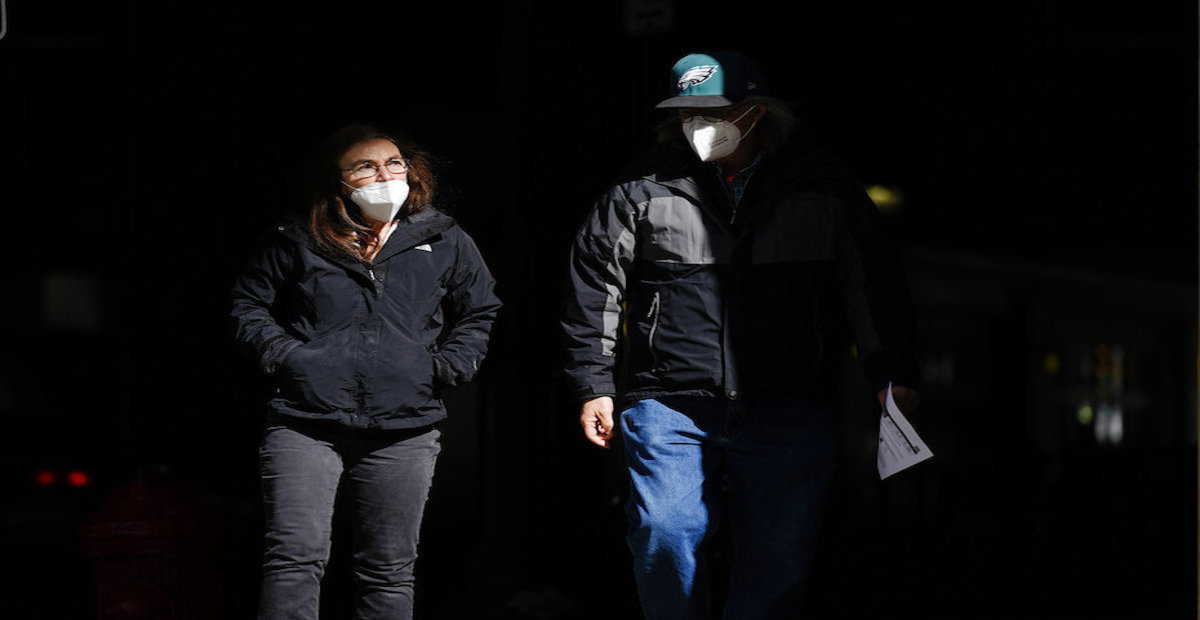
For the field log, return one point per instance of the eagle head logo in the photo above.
(696, 75)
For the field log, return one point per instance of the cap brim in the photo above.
(696, 101)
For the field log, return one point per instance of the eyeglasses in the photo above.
(687, 116)
(369, 169)
(712, 115)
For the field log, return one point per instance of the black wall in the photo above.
(1047, 155)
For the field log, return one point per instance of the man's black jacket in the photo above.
(696, 297)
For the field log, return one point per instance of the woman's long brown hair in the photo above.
(338, 225)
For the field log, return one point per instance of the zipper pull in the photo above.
(375, 282)
(653, 316)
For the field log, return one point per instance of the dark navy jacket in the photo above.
(368, 347)
(696, 297)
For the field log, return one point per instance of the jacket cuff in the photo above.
(880, 372)
(589, 392)
(275, 351)
(442, 372)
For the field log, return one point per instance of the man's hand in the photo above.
(596, 416)
(906, 399)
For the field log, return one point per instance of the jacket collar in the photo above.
(797, 162)
(797, 165)
(700, 181)
(411, 231)
(414, 230)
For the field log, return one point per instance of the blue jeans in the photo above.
(777, 458)
(388, 474)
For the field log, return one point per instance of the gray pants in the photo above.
(387, 474)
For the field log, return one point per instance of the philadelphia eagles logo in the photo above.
(696, 75)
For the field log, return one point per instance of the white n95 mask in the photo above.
(714, 139)
(380, 201)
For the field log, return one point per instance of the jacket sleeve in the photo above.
(471, 307)
(255, 328)
(875, 293)
(600, 258)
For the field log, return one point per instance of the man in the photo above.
(709, 293)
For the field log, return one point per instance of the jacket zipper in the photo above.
(736, 201)
(653, 316)
(376, 283)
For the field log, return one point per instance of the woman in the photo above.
(359, 316)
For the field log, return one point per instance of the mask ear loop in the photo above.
(752, 125)
(743, 115)
(3, 18)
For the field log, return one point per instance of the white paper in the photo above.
(899, 445)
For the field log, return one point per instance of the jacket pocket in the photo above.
(402, 382)
(317, 375)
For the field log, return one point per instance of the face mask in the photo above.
(714, 140)
(380, 201)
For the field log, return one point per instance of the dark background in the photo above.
(1046, 152)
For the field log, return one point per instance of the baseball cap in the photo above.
(713, 80)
